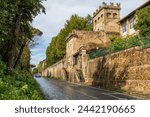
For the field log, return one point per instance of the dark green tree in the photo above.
(15, 27)
(143, 22)
(57, 48)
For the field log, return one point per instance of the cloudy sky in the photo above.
(58, 11)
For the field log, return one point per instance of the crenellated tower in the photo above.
(106, 19)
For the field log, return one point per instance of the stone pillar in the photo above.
(84, 64)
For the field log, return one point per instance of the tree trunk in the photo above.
(13, 44)
(25, 43)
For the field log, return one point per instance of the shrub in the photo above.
(133, 41)
(20, 86)
(145, 41)
(117, 43)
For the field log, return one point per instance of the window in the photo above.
(98, 18)
(124, 27)
(109, 15)
(102, 16)
(75, 59)
(95, 21)
(131, 22)
(114, 15)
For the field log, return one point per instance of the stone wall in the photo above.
(56, 70)
(128, 70)
(80, 38)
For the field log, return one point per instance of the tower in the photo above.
(106, 19)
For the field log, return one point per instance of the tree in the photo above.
(35, 32)
(16, 17)
(51, 56)
(57, 48)
(40, 67)
(25, 59)
(143, 23)
(35, 70)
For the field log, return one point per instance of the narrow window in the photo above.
(124, 27)
(131, 22)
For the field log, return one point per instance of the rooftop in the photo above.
(105, 5)
(78, 33)
(134, 11)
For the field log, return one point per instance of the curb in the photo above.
(138, 98)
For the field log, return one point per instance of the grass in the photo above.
(19, 86)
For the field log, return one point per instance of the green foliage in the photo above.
(40, 67)
(57, 48)
(20, 86)
(25, 59)
(35, 70)
(51, 56)
(133, 41)
(117, 43)
(143, 24)
(145, 41)
(99, 53)
(15, 26)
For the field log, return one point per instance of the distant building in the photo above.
(127, 22)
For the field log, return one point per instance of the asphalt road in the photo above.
(62, 90)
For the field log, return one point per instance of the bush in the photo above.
(145, 41)
(20, 86)
(117, 43)
(133, 41)
(98, 53)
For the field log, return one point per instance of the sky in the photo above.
(58, 11)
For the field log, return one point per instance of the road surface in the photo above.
(62, 90)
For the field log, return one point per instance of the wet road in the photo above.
(62, 90)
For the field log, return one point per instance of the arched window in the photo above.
(95, 21)
(114, 15)
(102, 16)
(108, 15)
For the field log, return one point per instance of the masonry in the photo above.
(128, 69)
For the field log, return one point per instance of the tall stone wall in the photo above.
(56, 70)
(128, 70)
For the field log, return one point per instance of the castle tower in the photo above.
(106, 19)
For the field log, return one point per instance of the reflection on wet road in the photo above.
(62, 90)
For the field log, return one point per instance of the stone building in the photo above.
(106, 19)
(79, 43)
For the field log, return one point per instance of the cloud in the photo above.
(58, 11)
